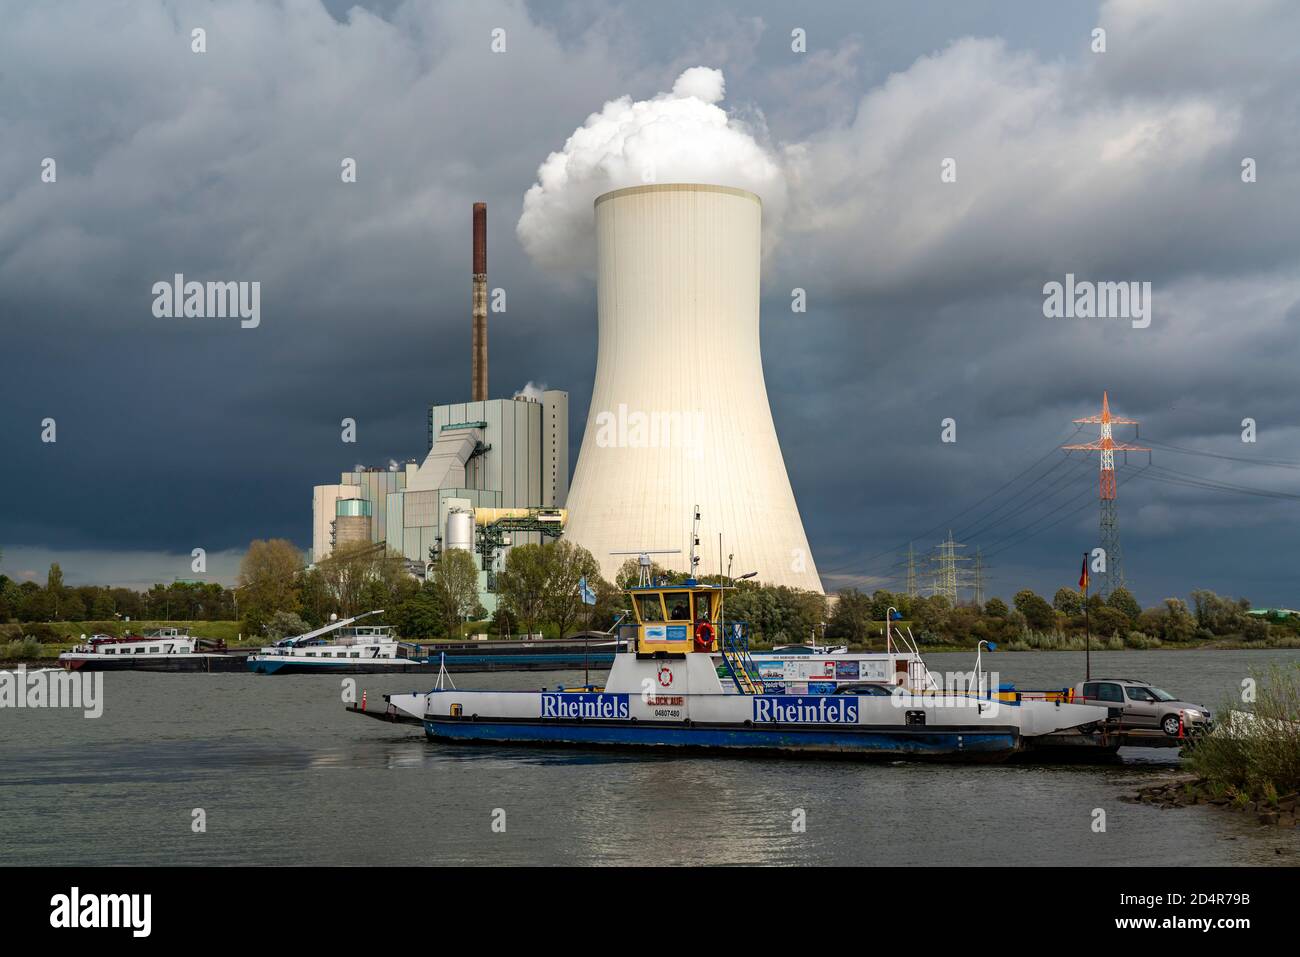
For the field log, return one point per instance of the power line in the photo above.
(1069, 514)
(1025, 501)
(1182, 450)
(860, 562)
(1187, 480)
(1041, 499)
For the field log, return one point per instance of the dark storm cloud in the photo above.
(925, 298)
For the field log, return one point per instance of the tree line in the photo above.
(278, 594)
(1033, 622)
(28, 601)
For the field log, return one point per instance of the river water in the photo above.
(284, 775)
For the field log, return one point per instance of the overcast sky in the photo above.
(925, 298)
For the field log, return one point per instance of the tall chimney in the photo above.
(479, 374)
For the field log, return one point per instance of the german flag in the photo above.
(1083, 575)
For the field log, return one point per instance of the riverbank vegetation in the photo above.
(1030, 622)
(1253, 758)
(278, 594)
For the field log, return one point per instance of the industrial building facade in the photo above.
(499, 453)
(492, 454)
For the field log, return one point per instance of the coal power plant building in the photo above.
(679, 415)
(498, 453)
(485, 454)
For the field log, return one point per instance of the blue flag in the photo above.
(588, 596)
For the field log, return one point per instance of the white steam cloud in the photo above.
(677, 137)
(532, 390)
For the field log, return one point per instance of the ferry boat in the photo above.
(688, 680)
(341, 647)
(158, 649)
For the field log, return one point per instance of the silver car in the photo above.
(1143, 705)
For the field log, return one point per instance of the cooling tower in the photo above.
(679, 414)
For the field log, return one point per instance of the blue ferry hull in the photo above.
(957, 743)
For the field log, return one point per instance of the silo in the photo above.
(679, 413)
(460, 530)
(352, 518)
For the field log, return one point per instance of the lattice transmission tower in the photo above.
(945, 578)
(1107, 446)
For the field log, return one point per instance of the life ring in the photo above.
(704, 636)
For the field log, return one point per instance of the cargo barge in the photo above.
(344, 647)
(167, 649)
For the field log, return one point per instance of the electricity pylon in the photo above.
(1107, 446)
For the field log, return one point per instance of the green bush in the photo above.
(1141, 641)
(39, 631)
(21, 648)
(1258, 759)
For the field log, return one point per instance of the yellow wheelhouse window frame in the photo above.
(656, 598)
(704, 601)
(671, 598)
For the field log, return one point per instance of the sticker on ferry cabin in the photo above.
(771, 669)
(656, 632)
(821, 687)
(846, 670)
(810, 670)
(873, 671)
(676, 633)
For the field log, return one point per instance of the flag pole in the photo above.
(583, 590)
(1087, 628)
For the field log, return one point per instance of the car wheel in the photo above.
(1170, 723)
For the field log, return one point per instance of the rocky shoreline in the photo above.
(1187, 790)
